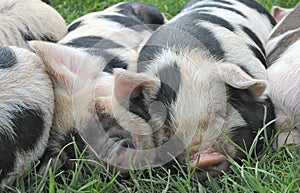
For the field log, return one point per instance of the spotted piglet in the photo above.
(201, 85)
(26, 111)
(26, 20)
(81, 67)
(283, 74)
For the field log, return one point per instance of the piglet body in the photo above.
(283, 75)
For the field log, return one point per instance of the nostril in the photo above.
(127, 143)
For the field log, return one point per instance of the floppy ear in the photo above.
(128, 84)
(278, 13)
(66, 65)
(234, 76)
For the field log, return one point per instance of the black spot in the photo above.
(117, 133)
(253, 112)
(112, 61)
(115, 63)
(258, 55)
(65, 142)
(127, 9)
(215, 20)
(147, 13)
(282, 46)
(118, 138)
(74, 26)
(48, 39)
(8, 155)
(28, 36)
(256, 6)
(127, 143)
(170, 82)
(47, 2)
(129, 22)
(28, 126)
(243, 136)
(170, 78)
(97, 46)
(138, 107)
(247, 71)
(149, 52)
(221, 7)
(7, 57)
(254, 38)
(108, 122)
(223, 2)
(184, 32)
(193, 32)
(94, 42)
(193, 2)
(70, 151)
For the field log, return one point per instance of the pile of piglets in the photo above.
(133, 89)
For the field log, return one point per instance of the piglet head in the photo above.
(74, 74)
(210, 153)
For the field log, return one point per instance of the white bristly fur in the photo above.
(25, 85)
(31, 17)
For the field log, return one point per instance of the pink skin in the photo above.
(209, 160)
(288, 137)
(278, 13)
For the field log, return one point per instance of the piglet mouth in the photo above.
(207, 162)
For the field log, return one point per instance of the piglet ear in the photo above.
(278, 13)
(128, 84)
(66, 64)
(234, 76)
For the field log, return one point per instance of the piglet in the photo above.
(284, 75)
(200, 85)
(26, 20)
(26, 111)
(81, 66)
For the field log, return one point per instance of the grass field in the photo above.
(72, 9)
(273, 171)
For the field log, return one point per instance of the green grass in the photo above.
(72, 9)
(273, 171)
